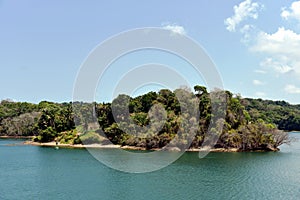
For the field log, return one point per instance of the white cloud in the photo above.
(247, 31)
(282, 41)
(175, 29)
(292, 12)
(246, 9)
(281, 50)
(292, 89)
(257, 82)
(278, 65)
(260, 71)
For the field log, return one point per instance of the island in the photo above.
(248, 124)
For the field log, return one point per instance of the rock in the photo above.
(171, 149)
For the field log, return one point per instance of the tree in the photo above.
(200, 90)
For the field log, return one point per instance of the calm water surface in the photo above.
(29, 172)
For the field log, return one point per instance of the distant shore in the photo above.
(113, 146)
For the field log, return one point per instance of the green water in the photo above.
(30, 172)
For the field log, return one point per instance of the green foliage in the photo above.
(281, 113)
(91, 138)
(10, 109)
(68, 137)
(249, 124)
(22, 125)
(200, 90)
(46, 135)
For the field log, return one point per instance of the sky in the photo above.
(255, 45)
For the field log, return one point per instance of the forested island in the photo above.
(249, 124)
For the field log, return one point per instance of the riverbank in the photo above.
(113, 146)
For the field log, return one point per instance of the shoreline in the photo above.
(113, 146)
(15, 137)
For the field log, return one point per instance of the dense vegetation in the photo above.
(249, 124)
(281, 113)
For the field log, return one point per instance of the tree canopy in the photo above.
(249, 124)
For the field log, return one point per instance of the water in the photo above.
(30, 172)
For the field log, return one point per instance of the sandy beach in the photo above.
(53, 144)
(112, 146)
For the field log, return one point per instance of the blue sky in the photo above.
(254, 44)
